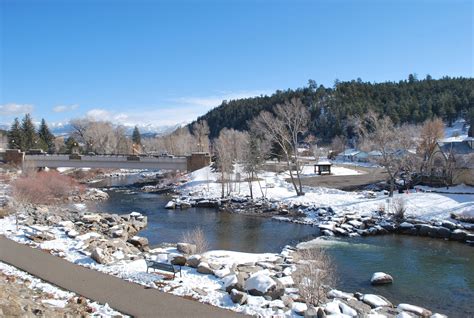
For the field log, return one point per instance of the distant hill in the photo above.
(406, 101)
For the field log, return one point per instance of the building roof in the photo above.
(456, 147)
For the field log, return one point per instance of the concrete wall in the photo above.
(198, 160)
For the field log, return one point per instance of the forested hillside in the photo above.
(331, 108)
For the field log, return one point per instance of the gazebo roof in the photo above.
(323, 162)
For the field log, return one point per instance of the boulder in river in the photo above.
(380, 278)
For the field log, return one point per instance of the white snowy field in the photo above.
(422, 204)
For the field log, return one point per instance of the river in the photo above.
(433, 273)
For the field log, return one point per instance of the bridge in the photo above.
(190, 163)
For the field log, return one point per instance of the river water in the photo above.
(433, 273)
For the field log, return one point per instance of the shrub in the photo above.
(196, 237)
(43, 187)
(314, 274)
(398, 208)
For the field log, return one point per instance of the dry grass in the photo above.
(196, 237)
(314, 274)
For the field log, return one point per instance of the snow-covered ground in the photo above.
(425, 205)
(457, 132)
(204, 288)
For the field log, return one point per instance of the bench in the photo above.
(162, 267)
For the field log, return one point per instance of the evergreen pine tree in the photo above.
(136, 137)
(46, 138)
(29, 134)
(15, 135)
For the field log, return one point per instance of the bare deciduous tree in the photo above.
(224, 158)
(290, 121)
(100, 137)
(431, 132)
(201, 133)
(394, 145)
(338, 145)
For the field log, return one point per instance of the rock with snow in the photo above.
(170, 205)
(332, 308)
(91, 218)
(186, 248)
(347, 310)
(299, 308)
(380, 278)
(334, 293)
(177, 259)
(406, 226)
(204, 268)
(459, 235)
(258, 284)
(72, 233)
(238, 297)
(194, 260)
(139, 242)
(101, 256)
(375, 301)
(415, 309)
(313, 312)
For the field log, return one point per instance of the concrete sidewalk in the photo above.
(126, 297)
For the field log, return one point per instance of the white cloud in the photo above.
(180, 110)
(12, 109)
(65, 108)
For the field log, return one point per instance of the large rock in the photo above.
(299, 308)
(238, 297)
(194, 260)
(362, 309)
(380, 278)
(186, 248)
(448, 224)
(415, 309)
(91, 218)
(313, 312)
(101, 256)
(140, 242)
(459, 235)
(204, 268)
(375, 301)
(259, 284)
(177, 259)
(426, 230)
(443, 232)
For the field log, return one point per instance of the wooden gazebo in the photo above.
(322, 167)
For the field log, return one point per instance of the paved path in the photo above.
(126, 297)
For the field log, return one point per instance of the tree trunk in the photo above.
(250, 185)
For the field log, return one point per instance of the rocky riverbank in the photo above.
(332, 223)
(268, 282)
(106, 238)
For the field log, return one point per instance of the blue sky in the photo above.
(164, 62)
